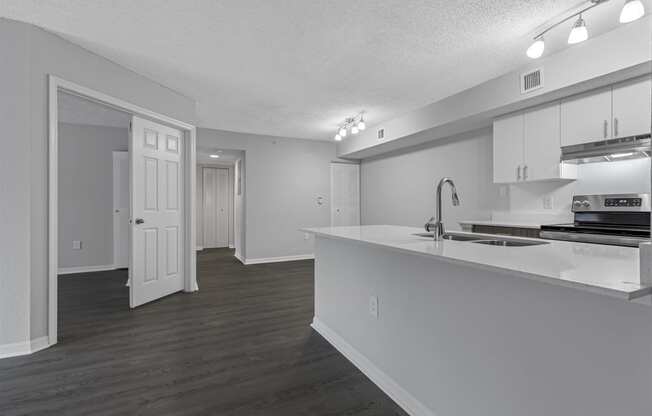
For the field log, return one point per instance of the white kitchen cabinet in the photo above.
(618, 111)
(508, 148)
(586, 117)
(527, 147)
(631, 108)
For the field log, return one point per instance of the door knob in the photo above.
(140, 221)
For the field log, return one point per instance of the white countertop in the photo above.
(515, 224)
(608, 270)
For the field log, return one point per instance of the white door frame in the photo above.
(116, 224)
(56, 85)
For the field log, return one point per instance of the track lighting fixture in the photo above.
(353, 124)
(632, 10)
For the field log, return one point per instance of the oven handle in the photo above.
(593, 238)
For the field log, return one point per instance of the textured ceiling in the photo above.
(298, 67)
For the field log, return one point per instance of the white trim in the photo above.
(199, 248)
(278, 259)
(23, 348)
(231, 246)
(117, 155)
(239, 257)
(408, 402)
(39, 344)
(86, 269)
(56, 84)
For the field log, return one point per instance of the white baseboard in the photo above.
(239, 257)
(278, 259)
(231, 246)
(85, 269)
(199, 248)
(404, 399)
(23, 348)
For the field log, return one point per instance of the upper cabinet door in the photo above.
(631, 108)
(586, 118)
(508, 149)
(542, 143)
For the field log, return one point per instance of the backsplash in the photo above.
(627, 176)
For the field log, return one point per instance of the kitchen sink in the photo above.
(511, 243)
(454, 237)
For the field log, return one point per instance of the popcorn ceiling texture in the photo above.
(296, 68)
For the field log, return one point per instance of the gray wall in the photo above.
(30, 54)
(283, 179)
(15, 172)
(399, 189)
(86, 192)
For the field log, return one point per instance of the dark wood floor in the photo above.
(240, 346)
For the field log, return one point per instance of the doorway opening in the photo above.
(121, 199)
(220, 201)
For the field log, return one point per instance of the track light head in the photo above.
(536, 49)
(632, 10)
(578, 33)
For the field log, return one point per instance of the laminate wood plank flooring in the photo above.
(242, 345)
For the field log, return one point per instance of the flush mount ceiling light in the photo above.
(632, 10)
(214, 156)
(353, 124)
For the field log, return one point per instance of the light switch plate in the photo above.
(76, 245)
(547, 202)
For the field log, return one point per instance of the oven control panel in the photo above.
(623, 202)
(613, 203)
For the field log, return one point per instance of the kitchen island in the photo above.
(461, 328)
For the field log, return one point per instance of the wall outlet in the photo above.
(502, 191)
(373, 306)
(76, 245)
(547, 202)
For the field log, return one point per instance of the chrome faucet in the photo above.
(435, 224)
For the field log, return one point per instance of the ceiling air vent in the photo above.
(532, 80)
(381, 134)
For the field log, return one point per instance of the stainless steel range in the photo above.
(617, 219)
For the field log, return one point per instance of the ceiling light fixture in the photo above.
(632, 10)
(351, 124)
(214, 156)
(536, 49)
(361, 123)
(578, 33)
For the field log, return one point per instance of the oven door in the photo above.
(614, 240)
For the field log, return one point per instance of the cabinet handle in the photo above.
(525, 172)
(606, 125)
(615, 126)
(518, 173)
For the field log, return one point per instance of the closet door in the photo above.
(345, 194)
(216, 210)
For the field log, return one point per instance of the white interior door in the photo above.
(157, 211)
(216, 207)
(120, 209)
(345, 194)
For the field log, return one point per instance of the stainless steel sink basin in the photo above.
(454, 237)
(511, 243)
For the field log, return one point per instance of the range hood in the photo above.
(633, 147)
